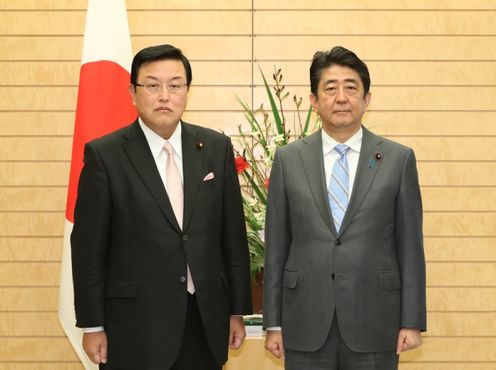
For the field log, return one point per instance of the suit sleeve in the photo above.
(409, 241)
(234, 240)
(89, 241)
(277, 243)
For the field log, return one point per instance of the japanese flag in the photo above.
(103, 105)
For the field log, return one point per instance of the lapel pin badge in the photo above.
(199, 145)
(372, 162)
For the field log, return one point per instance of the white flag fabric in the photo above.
(103, 105)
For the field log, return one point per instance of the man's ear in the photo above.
(313, 102)
(132, 91)
(367, 98)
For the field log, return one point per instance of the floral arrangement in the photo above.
(254, 160)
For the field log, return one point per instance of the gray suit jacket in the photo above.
(372, 273)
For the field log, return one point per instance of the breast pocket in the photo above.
(208, 184)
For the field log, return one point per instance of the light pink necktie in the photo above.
(176, 197)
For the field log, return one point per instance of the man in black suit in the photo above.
(159, 250)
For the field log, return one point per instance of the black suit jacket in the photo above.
(129, 254)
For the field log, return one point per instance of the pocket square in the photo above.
(209, 176)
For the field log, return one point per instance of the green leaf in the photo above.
(307, 122)
(275, 111)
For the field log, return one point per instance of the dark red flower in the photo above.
(241, 164)
(266, 182)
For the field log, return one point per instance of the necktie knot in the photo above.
(342, 149)
(168, 148)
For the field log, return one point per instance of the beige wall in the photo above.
(433, 67)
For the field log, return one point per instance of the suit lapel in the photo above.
(138, 151)
(368, 166)
(313, 165)
(192, 166)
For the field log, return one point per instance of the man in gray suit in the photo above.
(344, 284)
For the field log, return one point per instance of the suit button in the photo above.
(182, 279)
(333, 276)
(185, 238)
(338, 241)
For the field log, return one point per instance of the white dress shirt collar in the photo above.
(156, 142)
(354, 142)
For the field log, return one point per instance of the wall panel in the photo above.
(47, 224)
(190, 22)
(459, 199)
(375, 4)
(28, 299)
(36, 173)
(432, 123)
(36, 349)
(433, 69)
(30, 248)
(460, 248)
(475, 173)
(460, 224)
(33, 198)
(455, 299)
(394, 73)
(30, 324)
(383, 48)
(58, 365)
(48, 48)
(376, 22)
(413, 98)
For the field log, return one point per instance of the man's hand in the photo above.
(237, 332)
(95, 346)
(273, 343)
(408, 339)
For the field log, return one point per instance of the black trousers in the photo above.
(336, 355)
(195, 353)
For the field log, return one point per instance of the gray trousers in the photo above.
(336, 355)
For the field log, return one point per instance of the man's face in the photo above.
(161, 110)
(340, 101)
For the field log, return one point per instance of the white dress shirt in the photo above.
(156, 144)
(331, 156)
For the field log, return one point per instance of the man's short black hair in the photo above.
(337, 56)
(159, 52)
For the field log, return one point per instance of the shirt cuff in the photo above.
(93, 330)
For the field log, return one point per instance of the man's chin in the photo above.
(342, 123)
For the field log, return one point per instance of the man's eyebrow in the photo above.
(354, 80)
(178, 77)
(334, 80)
(150, 78)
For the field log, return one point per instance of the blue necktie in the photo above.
(338, 186)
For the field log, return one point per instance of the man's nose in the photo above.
(163, 93)
(341, 94)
